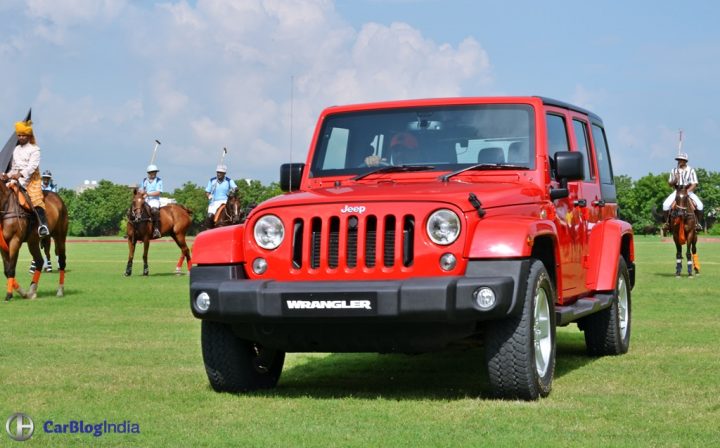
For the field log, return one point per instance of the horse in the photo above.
(175, 221)
(18, 226)
(229, 213)
(682, 218)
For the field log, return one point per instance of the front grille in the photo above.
(349, 242)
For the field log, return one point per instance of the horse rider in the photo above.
(47, 183)
(152, 187)
(683, 176)
(218, 189)
(25, 172)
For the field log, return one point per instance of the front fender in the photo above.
(223, 245)
(605, 248)
(507, 236)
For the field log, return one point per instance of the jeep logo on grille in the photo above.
(348, 209)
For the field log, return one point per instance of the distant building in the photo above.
(86, 185)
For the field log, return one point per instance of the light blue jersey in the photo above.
(151, 186)
(49, 187)
(220, 190)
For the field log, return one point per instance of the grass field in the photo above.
(127, 349)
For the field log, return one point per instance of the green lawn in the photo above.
(127, 349)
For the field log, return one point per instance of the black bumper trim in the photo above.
(235, 299)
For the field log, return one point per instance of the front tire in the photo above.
(236, 365)
(607, 332)
(520, 350)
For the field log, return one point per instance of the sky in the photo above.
(106, 78)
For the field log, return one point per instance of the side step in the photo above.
(582, 307)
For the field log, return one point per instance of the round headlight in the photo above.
(443, 227)
(269, 232)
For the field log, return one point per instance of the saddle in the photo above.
(218, 213)
(21, 198)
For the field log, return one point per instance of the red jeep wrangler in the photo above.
(417, 224)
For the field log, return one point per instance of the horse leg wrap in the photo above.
(62, 277)
(36, 276)
(32, 291)
(179, 263)
(696, 261)
(16, 286)
(10, 288)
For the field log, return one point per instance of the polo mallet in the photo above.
(152, 159)
(222, 156)
(679, 141)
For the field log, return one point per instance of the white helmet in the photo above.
(682, 156)
(221, 169)
(152, 168)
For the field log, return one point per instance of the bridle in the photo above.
(233, 211)
(138, 211)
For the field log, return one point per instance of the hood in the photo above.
(490, 194)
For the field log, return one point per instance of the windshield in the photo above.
(446, 138)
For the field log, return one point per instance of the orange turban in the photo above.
(25, 128)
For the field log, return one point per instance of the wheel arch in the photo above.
(609, 240)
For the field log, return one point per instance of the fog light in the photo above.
(448, 262)
(484, 298)
(202, 302)
(260, 266)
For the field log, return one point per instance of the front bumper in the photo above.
(236, 299)
(411, 315)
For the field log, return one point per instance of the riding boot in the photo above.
(42, 224)
(156, 222)
(666, 220)
(209, 221)
(698, 220)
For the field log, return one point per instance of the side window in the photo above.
(557, 135)
(583, 146)
(603, 157)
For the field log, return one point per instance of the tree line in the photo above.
(103, 210)
(640, 202)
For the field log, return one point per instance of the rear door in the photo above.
(589, 194)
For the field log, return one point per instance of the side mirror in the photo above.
(290, 176)
(568, 167)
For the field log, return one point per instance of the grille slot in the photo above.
(334, 245)
(316, 226)
(389, 242)
(370, 241)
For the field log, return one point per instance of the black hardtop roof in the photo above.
(558, 103)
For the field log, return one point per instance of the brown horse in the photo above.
(20, 225)
(175, 221)
(682, 217)
(230, 213)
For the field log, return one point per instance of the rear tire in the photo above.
(236, 365)
(607, 332)
(520, 350)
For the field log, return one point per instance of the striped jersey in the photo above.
(686, 176)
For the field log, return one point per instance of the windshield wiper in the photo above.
(394, 169)
(483, 166)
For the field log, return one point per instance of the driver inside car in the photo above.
(403, 150)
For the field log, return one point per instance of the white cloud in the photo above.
(53, 17)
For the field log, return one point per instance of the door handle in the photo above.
(580, 203)
(599, 203)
